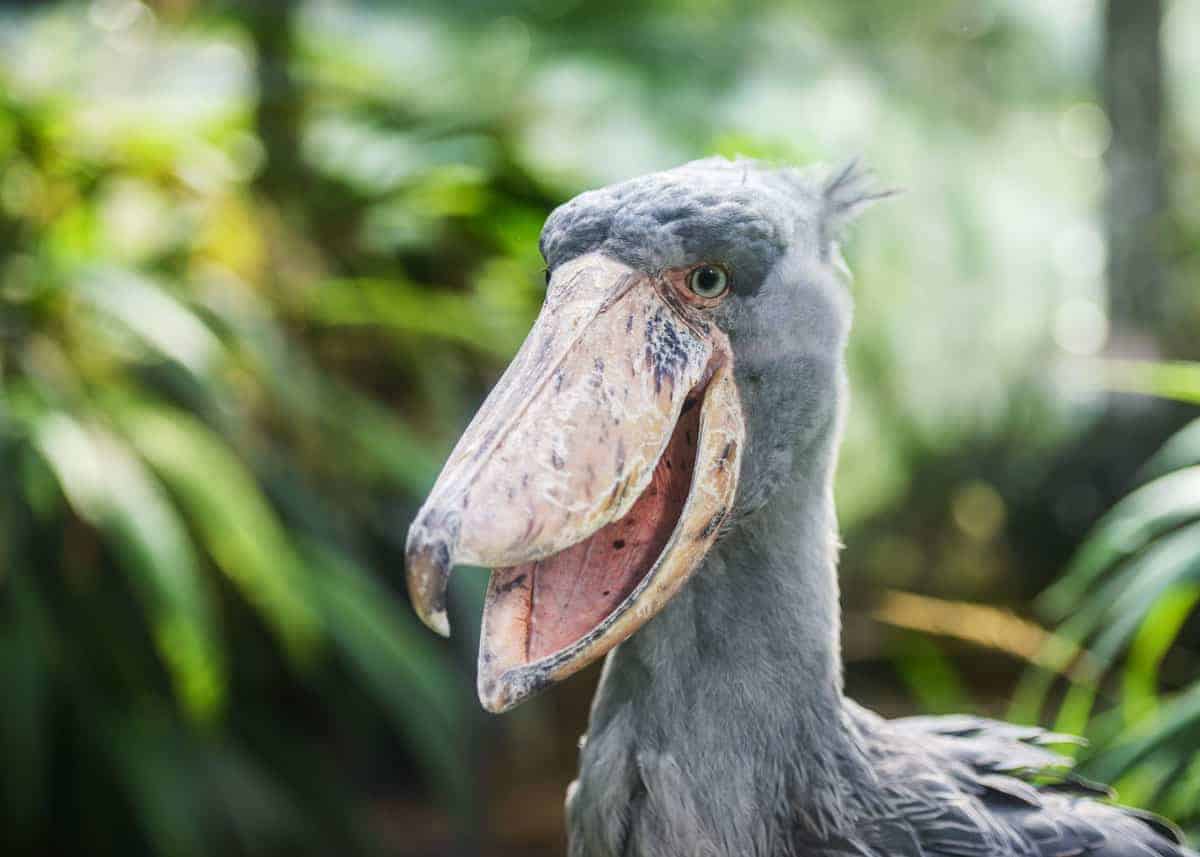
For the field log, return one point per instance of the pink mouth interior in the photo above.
(574, 590)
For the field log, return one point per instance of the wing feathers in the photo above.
(965, 786)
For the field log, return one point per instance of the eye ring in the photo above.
(708, 281)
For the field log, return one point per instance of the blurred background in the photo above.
(260, 261)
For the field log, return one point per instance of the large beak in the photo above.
(592, 481)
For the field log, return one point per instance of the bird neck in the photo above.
(728, 705)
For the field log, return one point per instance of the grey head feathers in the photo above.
(745, 212)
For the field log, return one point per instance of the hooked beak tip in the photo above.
(429, 560)
(437, 622)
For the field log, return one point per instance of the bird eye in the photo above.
(708, 281)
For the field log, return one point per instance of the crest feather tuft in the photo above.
(845, 194)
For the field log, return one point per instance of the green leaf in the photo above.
(1180, 451)
(931, 676)
(159, 320)
(230, 515)
(1158, 631)
(1151, 510)
(109, 488)
(1180, 381)
(1175, 724)
(1183, 795)
(1170, 561)
(1075, 710)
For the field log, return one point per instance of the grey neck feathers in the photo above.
(719, 729)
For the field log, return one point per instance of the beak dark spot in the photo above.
(713, 523)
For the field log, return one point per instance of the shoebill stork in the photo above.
(651, 480)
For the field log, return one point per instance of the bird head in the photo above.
(688, 350)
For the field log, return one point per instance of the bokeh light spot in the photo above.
(1084, 130)
(978, 510)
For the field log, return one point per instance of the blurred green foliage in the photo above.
(1121, 607)
(197, 472)
(259, 262)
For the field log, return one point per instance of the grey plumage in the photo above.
(720, 728)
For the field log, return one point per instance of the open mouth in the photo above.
(592, 481)
(542, 607)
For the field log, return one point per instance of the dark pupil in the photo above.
(708, 279)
